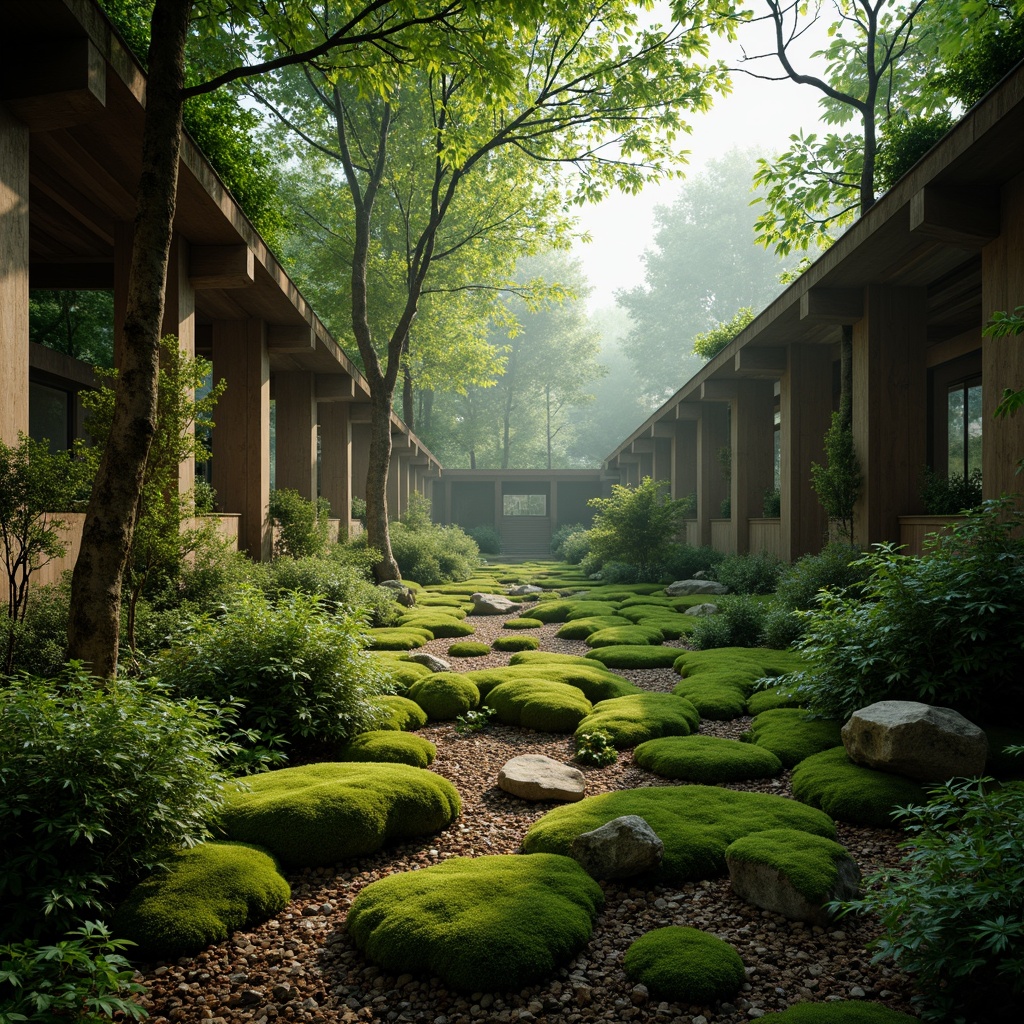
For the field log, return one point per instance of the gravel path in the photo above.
(301, 966)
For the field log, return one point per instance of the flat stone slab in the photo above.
(493, 604)
(685, 588)
(536, 777)
(432, 661)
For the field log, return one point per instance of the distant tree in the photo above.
(78, 323)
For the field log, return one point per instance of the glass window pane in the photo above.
(48, 415)
(955, 419)
(974, 428)
(524, 504)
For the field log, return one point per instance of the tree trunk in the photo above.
(408, 406)
(377, 533)
(867, 172)
(94, 622)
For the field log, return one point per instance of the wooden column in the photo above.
(661, 460)
(336, 462)
(360, 454)
(753, 455)
(241, 438)
(1002, 359)
(890, 409)
(712, 487)
(395, 509)
(13, 277)
(805, 408)
(684, 459)
(295, 402)
(499, 506)
(180, 321)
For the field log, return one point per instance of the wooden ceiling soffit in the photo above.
(335, 387)
(832, 305)
(767, 363)
(68, 276)
(221, 266)
(964, 216)
(64, 87)
(296, 339)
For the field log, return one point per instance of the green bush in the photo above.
(561, 535)
(681, 561)
(685, 965)
(321, 814)
(594, 748)
(303, 529)
(750, 574)
(434, 554)
(836, 567)
(944, 495)
(706, 759)
(739, 623)
(487, 539)
(445, 695)
(201, 897)
(941, 629)
(481, 924)
(576, 547)
(83, 977)
(540, 705)
(297, 670)
(97, 785)
(390, 747)
(953, 912)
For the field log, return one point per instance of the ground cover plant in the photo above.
(597, 683)
(634, 656)
(705, 759)
(793, 734)
(538, 704)
(400, 713)
(388, 746)
(445, 695)
(685, 965)
(631, 719)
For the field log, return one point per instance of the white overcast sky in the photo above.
(756, 114)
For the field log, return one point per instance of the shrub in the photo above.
(473, 721)
(682, 561)
(836, 567)
(944, 495)
(515, 643)
(771, 507)
(838, 482)
(302, 526)
(96, 787)
(781, 626)
(710, 343)
(739, 623)
(417, 512)
(487, 539)
(83, 977)
(561, 535)
(685, 965)
(594, 748)
(576, 547)
(750, 574)
(941, 629)
(357, 508)
(953, 912)
(434, 554)
(297, 669)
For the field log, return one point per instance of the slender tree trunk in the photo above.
(472, 457)
(378, 534)
(408, 405)
(94, 622)
(867, 172)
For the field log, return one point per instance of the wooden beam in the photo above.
(290, 338)
(221, 266)
(65, 86)
(766, 363)
(665, 428)
(959, 216)
(334, 387)
(643, 446)
(688, 411)
(718, 390)
(832, 305)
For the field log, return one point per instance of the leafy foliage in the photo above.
(838, 482)
(944, 495)
(750, 573)
(78, 323)
(302, 525)
(96, 787)
(953, 912)
(836, 567)
(434, 554)
(594, 748)
(1003, 325)
(710, 343)
(739, 623)
(903, 143)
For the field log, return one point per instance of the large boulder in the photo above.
(401, 593)
(525, 590)
(432, 661)
(536, 777)
(686, 588)
(926, 743)
(493, 604)
(702, 610)
(621, 848)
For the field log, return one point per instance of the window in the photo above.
(964, 420)
(524, 504)
(48, 415)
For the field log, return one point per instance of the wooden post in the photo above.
(684, 459)
(360, 456)
(753, 455)
(712, 487)
(295, 401)
(336, 462)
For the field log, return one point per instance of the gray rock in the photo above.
(684, 588)
(621, 848)
(926, 743)
(525, 589)
(432, 661)
(401, 593)
(536, 777)
(702, 609)
(769, 888)
(493, 604)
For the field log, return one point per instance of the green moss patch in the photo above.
(685, 965)
(481, 924)
(850, 792)
(792, 734)
(400, 713)
(696, 823)
(468, 649)
(615, 636)
(597, 683)
(631, 656)
(546, 658)
(839, 1012)
(389, 747)
(706, 759)
(809, 862)
(637, 717)
(205, 894)
(645, 601)
(561, 611)
(540, 705)
(580, 629)
(515, 643)
(671, 624)
(321, 814)
(402, 673)
(440, 624)
(398, 638)
(772, 698)
(523, 623)
(445, 695)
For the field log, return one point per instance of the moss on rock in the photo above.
(321, 814)
(205, 894)
(792, 734)
(685, 965)
(389, 747)
(481, 924)
(630, 720)
(539, 704)
(445, 695)
(706, 759)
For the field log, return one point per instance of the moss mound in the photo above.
(630, 720)
(389, 747)
(523, 623)
(630, 656)
(851, 793)
(398, 638)
(440, 624)
(563, 611)
(538, 704)
(205, 894)
(645, 601)
(614, 636)
(515, 643)
(772, 698)
(685, 965)
(468, 649)
(481, 924)
(402, 673)
(401, 714)
(320, 814)
(445, 695)
(580, 629)
(696, 823)
(839, 1012)
(597, 683)
(706, 759)
(720, 681)
(791, 734)
(671, 624)
(547, 658)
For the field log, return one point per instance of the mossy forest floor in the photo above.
(302, 966)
